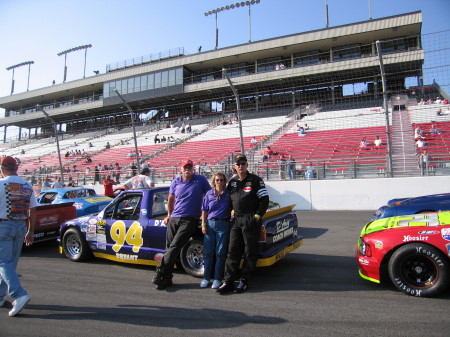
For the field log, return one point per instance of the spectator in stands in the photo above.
(188, 128)
(140, 154)
(96, 175)
(445, 101)
(163, 139)
(291, 167)
(434, 131)
(71, 182)
(22, 152)
(253, 142)
(58, 183)
(74, 168)
(90, 144)
(364, 144)
(170, 139)
(422, 102)
(108, 185)
(439, 112)
(424, 161)
(133, 170)
(282, 167)
(377, 142)
(267, 154)
(88, 159)
(420, 143)
(108, 146)
(46, 183)
(87, 171)
(67, 154)
(156, 139)
(309, 173)
(301, 132)
(418, 133)
(143, 164)
(430, 101)
(438, 100)
(117, 172)
(306, 127)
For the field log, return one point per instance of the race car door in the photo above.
(124, 233)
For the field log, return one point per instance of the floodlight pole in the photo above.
(238, 108)
(65, 52)
(57, 139)
(29, 63)
(385, 103)
(132, 124)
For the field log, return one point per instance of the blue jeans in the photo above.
(291, 173)
(216, 245)
(12, 234)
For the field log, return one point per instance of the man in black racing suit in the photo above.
(249, 199)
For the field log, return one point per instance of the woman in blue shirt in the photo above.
(216, 214)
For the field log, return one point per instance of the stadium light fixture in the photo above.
(28, 63)
(233, 6)
(47, 116)
(65, 52)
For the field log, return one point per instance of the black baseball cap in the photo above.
(240, 157)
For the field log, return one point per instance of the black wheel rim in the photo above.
(419, 271)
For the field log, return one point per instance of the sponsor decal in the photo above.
(101, 231)
(282, 235)
(424, 251)
(445, 233)
(38, 235)
(448, 249)
(407, 238)
(92, 228)
(379, 244)
(102, 247)
(144, 211)
(159, 256)
(48, 221)
(247, 189)
(363, 261)
(91, 236)
(428, 232)
(158, 223)
(282, 225)
(95, 200)
(100, 223)
(248, 183)
(128, 257)
(233, 184)
(261, 183)
(83, 227)
(93, 221)
(78, 205)
(101, 238)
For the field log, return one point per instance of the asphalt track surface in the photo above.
(315, 291)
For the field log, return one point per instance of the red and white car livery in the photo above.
(413, 249)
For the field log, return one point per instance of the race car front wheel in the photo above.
(192, 257)
(419, 269)
(75, 246)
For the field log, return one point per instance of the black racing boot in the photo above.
(242, 286)
(158, 276)
(165, 282)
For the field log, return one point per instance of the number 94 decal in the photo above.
(132, 236)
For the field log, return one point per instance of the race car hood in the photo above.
(417, 199)
(430, 219)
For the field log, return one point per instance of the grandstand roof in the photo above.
(201, 73)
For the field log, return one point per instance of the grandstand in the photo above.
(328, 79)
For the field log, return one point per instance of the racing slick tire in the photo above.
(75, 247)
(419, 269)
(192, 257)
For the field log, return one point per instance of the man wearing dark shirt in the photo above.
(249, 201)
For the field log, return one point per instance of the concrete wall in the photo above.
(352, 194)
(347, 194)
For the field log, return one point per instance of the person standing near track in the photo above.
(183, 217)
(17, 214)
(249, 201)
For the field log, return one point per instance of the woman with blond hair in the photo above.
(216, 215)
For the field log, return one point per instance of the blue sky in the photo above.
(36, 31)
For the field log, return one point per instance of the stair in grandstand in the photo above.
(404, 158)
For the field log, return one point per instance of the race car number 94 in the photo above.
(120, 235)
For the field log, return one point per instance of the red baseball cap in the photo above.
(9, 162)
(187, 162)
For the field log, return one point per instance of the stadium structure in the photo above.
(343, 85)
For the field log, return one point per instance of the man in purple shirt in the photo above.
(183, 216)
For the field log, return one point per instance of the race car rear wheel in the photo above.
(192, 257)
(75, 246)
(419, 269)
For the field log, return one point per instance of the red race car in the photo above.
(413, 249)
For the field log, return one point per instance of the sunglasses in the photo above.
(220, 179)
(241, 164)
